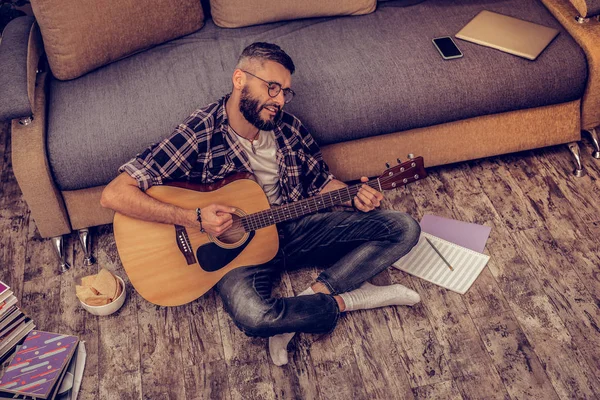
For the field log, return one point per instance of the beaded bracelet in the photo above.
(199, 219)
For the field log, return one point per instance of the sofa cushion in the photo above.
(355, 77)
(239, 13)
(80, 35)
(587, 8)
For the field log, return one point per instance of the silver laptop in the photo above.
(508, 34)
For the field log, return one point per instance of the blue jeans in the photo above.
(353, 246)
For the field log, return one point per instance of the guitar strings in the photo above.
(265, 217)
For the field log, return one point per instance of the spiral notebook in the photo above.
(423, 262)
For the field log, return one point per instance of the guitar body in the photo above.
(171, 265)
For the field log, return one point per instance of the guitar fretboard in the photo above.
(307, 206)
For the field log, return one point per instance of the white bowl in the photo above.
(111, 307)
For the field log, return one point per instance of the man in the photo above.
(248, 131)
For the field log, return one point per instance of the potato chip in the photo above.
(97, 300)
(105, 283)
(88, 280)
(84, 292)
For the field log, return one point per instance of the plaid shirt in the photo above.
(203, 149)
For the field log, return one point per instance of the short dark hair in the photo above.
(267, 51)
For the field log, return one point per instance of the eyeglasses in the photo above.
(275, 88)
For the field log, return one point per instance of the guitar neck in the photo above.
(290, 211)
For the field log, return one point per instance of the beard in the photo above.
(251, 108)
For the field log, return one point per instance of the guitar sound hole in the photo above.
(234, 234)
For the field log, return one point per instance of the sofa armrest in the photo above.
(32, 169)
(20, 52)
(587, 36)
(587, 8)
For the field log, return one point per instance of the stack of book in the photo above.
(14, 325)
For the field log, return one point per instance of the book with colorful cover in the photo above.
(39, 364)
(3, 287)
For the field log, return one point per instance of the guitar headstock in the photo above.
(403, 173)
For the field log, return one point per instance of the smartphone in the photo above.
(447, 47)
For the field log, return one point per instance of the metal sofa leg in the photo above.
(574, 148)
(58, 244)
(594, 135)
(85, 238)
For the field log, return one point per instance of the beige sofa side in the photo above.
(31, 168)
(588, 36)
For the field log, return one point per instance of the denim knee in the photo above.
(403, 228)
(256, 319)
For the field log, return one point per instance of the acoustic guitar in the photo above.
(171, 265)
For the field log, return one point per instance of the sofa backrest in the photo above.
(81, 35)
(239, 13)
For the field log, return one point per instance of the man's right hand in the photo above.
(216, 218)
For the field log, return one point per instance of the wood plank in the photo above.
(562, 284)
(75, 320)
(14, 219)
(297, 379)
(379, 360)
(575, 238)
(531, 306)
(332, 355)
(41, 261)
(205, 369)
(119, 374)
(583, 192)
(446, 390)
(424, 357)
(41, 302)
(556, 211)
(505, 194)
(539, 320)
(485, 297)
(247, 360)
(469, 363)
(514, 357)
(207, 381)
(160, 351)
(42, 281)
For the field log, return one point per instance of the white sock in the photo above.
(278, 343)
(371, 296)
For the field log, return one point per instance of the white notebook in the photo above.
(425, 263)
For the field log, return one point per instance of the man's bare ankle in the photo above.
(319, 287)
(340, 302)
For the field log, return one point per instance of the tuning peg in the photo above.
(387, 165)
(399, 161)
(411, 156)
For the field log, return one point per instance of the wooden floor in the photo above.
(528, 328)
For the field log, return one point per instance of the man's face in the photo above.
(260, 109)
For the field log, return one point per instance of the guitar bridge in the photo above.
(183, 242)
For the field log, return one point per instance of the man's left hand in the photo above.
(367, 198)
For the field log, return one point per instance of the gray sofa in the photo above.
(371, 88)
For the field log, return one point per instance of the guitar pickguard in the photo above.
(213, 257)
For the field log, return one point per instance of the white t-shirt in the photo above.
(264, 163)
